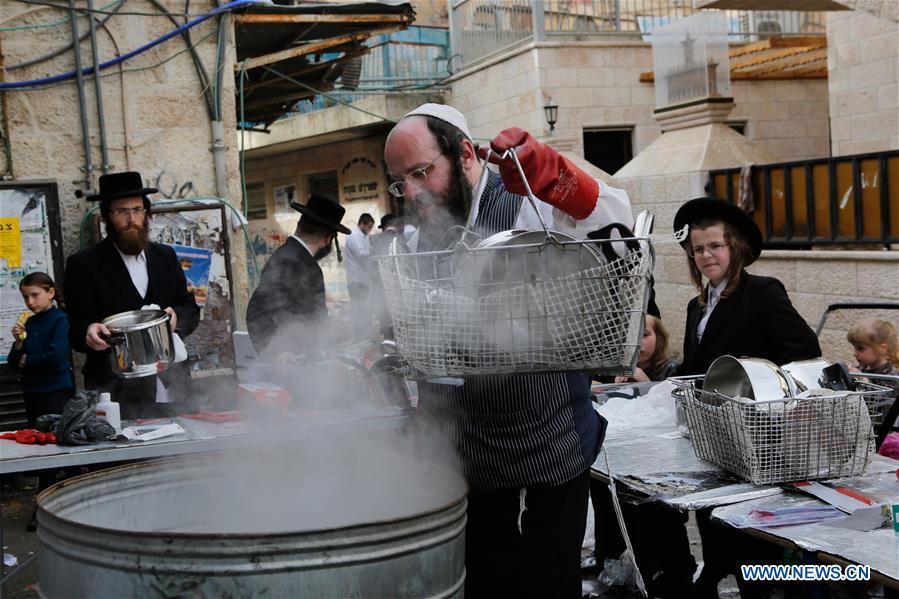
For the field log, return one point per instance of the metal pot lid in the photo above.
(135, 320)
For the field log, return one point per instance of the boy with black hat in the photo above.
(288, 307)
(123, 272)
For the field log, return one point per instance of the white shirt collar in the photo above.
(303, 243)
(719, 288)
(141, 257)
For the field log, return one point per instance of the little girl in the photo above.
(41, 349)
(652, 363)
(875, 348)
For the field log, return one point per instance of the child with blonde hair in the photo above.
(875, 348)
(653, 363)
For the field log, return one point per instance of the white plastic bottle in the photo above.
(109, 411)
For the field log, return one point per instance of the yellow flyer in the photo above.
(11, 242)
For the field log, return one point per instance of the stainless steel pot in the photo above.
(808, 374)
(140, 342)
(752, 378)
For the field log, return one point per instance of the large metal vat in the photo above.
(224, 526)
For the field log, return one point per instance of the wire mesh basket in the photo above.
(780, 440)
(879, 398)
(522, 308)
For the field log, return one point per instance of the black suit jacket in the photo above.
(288, 307)
(756, 320)
(97, 285)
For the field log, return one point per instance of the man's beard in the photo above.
(446, 210)
(131, 239)
(322, 253)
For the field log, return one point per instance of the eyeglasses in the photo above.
(136, 211)
(712, 248)
(418, 176)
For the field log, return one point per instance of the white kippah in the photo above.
(443, 112)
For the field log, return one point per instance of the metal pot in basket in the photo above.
(140, 342)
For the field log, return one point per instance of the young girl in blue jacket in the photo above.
(41, 350)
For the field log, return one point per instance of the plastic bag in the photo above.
(78, 424)
(655, 408)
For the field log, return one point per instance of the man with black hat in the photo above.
(123, 272)
(287, 310)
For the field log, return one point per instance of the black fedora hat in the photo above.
(701, 209)
(115, 186)
(388, 219)
(324, 212)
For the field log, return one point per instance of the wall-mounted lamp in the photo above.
(551, 111)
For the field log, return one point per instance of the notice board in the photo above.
(30, 241)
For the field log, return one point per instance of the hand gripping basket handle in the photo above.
(642, 224)
(532, 199)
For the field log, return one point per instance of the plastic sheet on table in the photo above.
(784, 516)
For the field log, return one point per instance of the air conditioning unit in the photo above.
(762, 24)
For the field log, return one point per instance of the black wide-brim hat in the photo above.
(116, 186)
(388, 219)
(701, 209)
(323, 211)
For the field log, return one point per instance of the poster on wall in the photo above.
(196, 263)
(29, 242)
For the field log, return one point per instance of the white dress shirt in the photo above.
(358, 258)
(137, 268)
(711, 302)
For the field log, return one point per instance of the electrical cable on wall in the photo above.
(333, 98)
(81, 13)
(132, 53)
(103, 10)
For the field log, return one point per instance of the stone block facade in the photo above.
(863, 67)
(596, 85)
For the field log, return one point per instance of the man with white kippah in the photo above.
(526, 442)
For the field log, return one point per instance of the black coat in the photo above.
(97, 285)
(756, 320)
(289, 301)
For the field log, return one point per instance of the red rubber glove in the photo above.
(552, 177)
(29, 436)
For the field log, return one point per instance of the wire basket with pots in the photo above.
(521, 301)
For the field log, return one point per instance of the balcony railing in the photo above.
(481, 28)
(415, 58)
(845, 200)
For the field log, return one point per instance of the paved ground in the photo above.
(18, 503)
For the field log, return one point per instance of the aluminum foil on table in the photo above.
(658, 464)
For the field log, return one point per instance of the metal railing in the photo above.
(845, 200)
(415, 58)
(481, 28)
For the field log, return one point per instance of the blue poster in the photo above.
(196, 263)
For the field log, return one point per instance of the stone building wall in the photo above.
(596, 84)
(155, 117)
(863, 65)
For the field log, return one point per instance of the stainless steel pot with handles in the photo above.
(140, 343)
